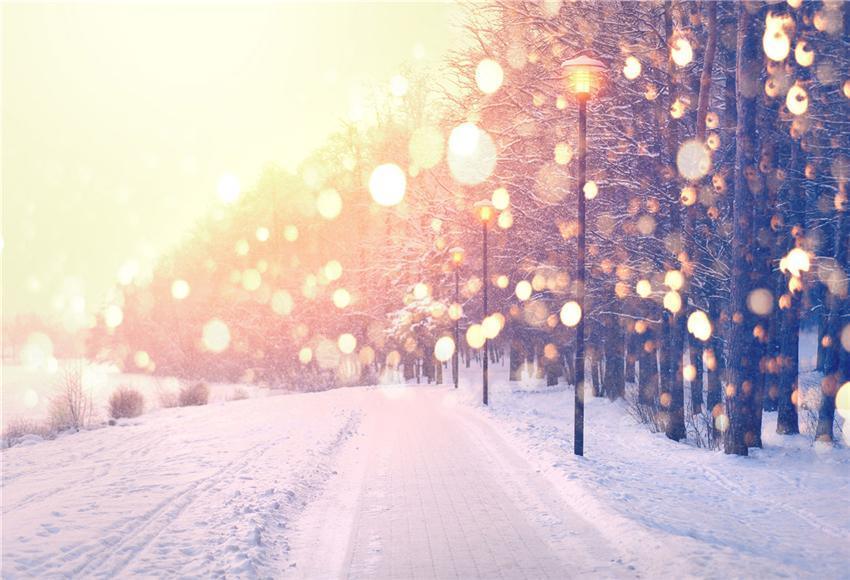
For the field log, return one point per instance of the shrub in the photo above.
(192, 395)
(20, 429)
(126, 403)
(71, 407)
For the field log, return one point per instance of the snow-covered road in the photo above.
(414, 482)
(431, 490)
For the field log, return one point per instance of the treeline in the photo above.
(719, 153)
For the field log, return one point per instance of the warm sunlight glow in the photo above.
(489, 76)
(179, 289)
(387, 184)
(216, 336)
(329, 204)
(229, 188)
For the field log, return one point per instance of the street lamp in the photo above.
(456, 255)
(485, 212)
(582, 77)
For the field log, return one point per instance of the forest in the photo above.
(717, 230)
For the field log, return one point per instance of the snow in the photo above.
(417, 481)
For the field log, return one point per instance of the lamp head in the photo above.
(485, 211)
(456, 255)
(583, 75)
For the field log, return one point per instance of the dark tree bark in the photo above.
(743, 366)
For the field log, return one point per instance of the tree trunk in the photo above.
(743, 368)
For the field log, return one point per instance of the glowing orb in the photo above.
(501, 199)
(229, 188)
(643, 288)
(475, 336)
(216, 336)
(491, 327)
(796, 262)
(797, 100)
(523, 290)
(113, 316)
(463, 140)
(179, 289)
(760, 301)
(502, 281)
(387, 184)
(591, 190)
(842, 401)
(341, 298)
(563, 153)
(699, 325)
(472, 154)
(803, 54)
(329, 204)
(421, 291)
(444, 348)
(262, 234)
(290, 233)
(333, 270)
(775, 41)
(632, 68)
(142, 359)
(251, 279)
(571, 313)
(489, 76)
(455, 311)
(346, 343)
(672, 301)
(693, 160)
(674, 280)
(505, 220)
(681, 51)
(305, 355)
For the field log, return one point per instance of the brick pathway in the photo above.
(430, 490)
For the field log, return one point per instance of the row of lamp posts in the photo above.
(582, 75)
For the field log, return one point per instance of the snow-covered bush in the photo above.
(71, 407)
(126, 403)
(21, 429)
(193, 395)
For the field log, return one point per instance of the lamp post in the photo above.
(486, 213)
(582, 75)
(456, 254)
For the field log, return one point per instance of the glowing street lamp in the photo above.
(456, 255)
(583, 77)
(486, 212)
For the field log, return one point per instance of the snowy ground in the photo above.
(416, 482)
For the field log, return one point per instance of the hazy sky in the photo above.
(119, 120)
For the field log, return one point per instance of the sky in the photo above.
(119, 121)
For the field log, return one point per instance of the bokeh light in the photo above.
(387, 184)
(329, 204)
(216, 336)
(180, 289)
(444, 348)
(489, 76)
(693, 160)
(570, 313)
